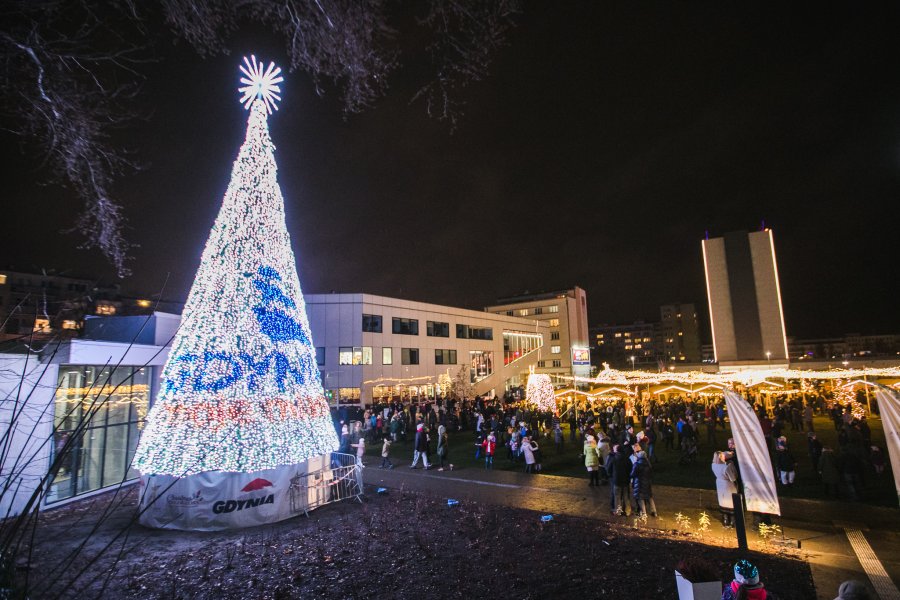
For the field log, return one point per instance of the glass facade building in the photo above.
(99, 411)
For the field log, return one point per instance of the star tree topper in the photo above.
(259, 83)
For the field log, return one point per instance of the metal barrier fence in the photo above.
(340, 479)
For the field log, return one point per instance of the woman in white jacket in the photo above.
(528, 453)
(726, 478)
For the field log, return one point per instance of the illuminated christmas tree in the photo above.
(240, 390)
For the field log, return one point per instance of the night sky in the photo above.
(608, 139)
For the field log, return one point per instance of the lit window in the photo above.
(599, 336)
(144, 303)
(41, 324)
(105, 309)
(680, 333)
(646, 339)
(553, 309)
(345, 356)
(638, 346)
(555, 323)
(554, 349)
(627, 334)
(522, 312)
(619, 335)
(602, 342)
(69, 324)
(628, 346)
(387, 356)
(2, 279)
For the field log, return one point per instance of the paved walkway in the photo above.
(824, 529)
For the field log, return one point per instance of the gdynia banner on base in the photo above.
(216, 500)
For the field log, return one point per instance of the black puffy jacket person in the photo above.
(642, 485)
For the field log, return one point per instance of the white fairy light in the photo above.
(241, 390)
(539, 391)
(261, 84)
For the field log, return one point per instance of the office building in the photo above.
(744, 297)
(373, 348)
(679, 333)
(564, 313)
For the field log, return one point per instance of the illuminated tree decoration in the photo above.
(539, 391)
(240, 390)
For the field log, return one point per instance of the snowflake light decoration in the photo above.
(259, 83)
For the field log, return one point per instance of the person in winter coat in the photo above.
(746, 584)
(784, 458)
(853, 590)
(726, 485)
(604, 452)
(642, 485)
(513, 445)
(592, 460)
(814, 449)
(442, 447)
(385, 454)
(360, 446)
(490, 446)
(621, 474)
(421, 448)
(528, 453)
(828, 470)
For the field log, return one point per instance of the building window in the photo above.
(357, 355)
(618, 335)
(105, 309)
(41, 325)
(387, 356)
(553, 308)
(371, 323)
(482, 364)
(628, 346)
(2, 279)
(101, 455)
(70, 324)
(409, 356)
(445, 357)
(406, 326)
(348, 395)
(540, 364)
(320, 356)
(464, 332)
(437, 329)
(555, 323)
(509, 313)
(554, 335)
(538, 310)
(554, 349)
(522, 312)
(557, 363)
(345, 355)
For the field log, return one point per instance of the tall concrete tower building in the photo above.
(744, 296)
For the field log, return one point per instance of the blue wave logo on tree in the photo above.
(274, 322)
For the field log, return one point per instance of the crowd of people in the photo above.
(619, 443)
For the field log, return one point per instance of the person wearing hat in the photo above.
(784, 458)
(746, 584)
(421, 448)
(853, 590)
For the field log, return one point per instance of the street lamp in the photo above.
(768, 357)
(632, 363)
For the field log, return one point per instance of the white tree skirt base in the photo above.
(216, 500)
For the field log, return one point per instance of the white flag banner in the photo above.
(754, 462)
(889, 407)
